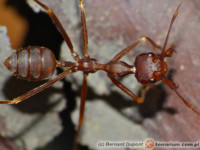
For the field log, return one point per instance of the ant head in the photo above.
(150, 68)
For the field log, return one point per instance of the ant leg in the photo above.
(145, 89)
(125, 89)
(170, 84)
(153, 43)
(84, 28)
(59, 25)
(38, 89)
(82, 106)
(129, 48)
(173, 86)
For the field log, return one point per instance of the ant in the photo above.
(38, 63)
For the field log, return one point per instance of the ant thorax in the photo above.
(149, 68)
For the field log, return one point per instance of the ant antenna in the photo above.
(172, 21)
(168, 82)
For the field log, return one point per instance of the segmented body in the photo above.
(31, 63)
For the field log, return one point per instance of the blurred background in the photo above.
(48, 120)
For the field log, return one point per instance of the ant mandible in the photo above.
(38, 63)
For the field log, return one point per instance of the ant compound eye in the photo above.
(150, 54)
(152, 80)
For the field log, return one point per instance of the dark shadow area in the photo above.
(154, 101)
(38, 103)
(42, 31)
(115, 100)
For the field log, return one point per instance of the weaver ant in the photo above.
(38, 63)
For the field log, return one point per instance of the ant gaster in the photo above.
(38, 63)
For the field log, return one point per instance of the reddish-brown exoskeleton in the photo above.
(38, 63)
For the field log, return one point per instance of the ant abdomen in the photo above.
(31, 63)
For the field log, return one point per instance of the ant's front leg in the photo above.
(133, 45)
(174, 87)
(170, 83)
(144, 90)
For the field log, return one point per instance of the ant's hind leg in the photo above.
(62, 30)
(84, 29)
(144, 90)
(125, 89)
(38, 89)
